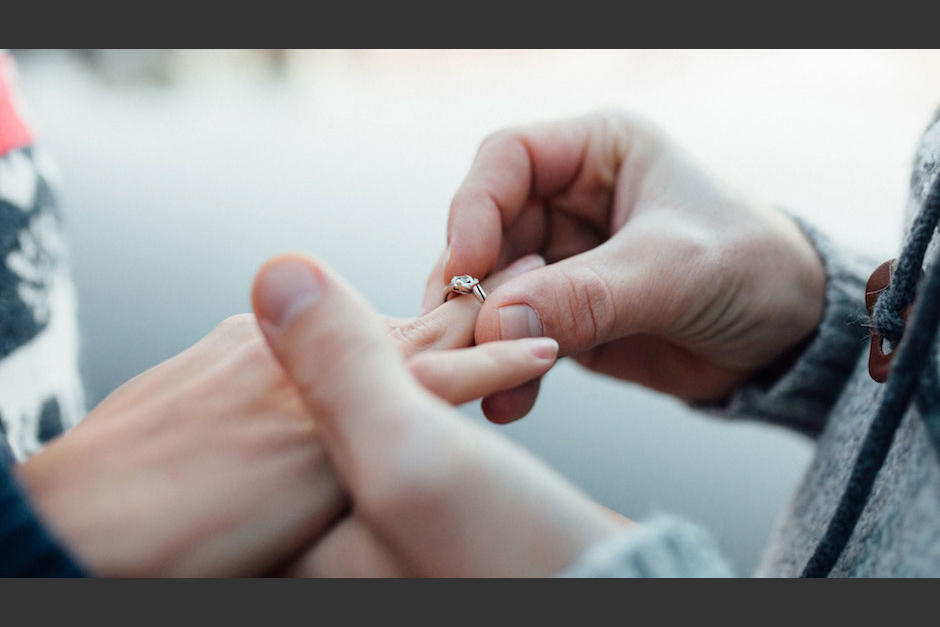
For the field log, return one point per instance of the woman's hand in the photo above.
(209, 464)
(657, 272)
(432, 492)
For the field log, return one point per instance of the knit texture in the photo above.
(913, 354)
(661, 547)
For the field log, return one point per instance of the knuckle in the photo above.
(415, 334)
(240, 321)
(499, 138)
(590, 304)
(233, 331)
(236, 326)
(627, 123)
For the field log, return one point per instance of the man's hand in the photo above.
(657, 272)
(432, 492)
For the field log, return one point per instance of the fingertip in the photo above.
(542, 348)
(511, 405)
(285, 286)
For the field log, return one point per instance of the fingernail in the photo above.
(544, 348)
(518, 321)
(285, 290)
(529, 262)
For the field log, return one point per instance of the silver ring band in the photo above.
(465, 284)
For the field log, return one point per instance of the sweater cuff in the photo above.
(26, 547)
(803, 395)
(662, 547)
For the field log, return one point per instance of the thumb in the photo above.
(332, 347)
(582, 301)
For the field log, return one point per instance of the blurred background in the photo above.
(182, 171)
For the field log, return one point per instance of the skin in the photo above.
(657, 272)
(210, 463)
(432, 493)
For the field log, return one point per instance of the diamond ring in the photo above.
(464, 284)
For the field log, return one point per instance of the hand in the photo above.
(657, 272)
(435, 347)
(209, 463)
(349, 549)
(205, 465)
(432, 492)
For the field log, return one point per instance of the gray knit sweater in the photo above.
(828, 394)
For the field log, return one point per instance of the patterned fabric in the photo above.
(40, 389)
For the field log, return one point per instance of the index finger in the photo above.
(511, 167)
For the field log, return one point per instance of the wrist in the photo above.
(36, 480)
(96, 526)
(28, 547)
(45, 479)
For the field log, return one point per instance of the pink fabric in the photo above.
(13, 130)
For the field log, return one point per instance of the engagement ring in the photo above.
(464, 284)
